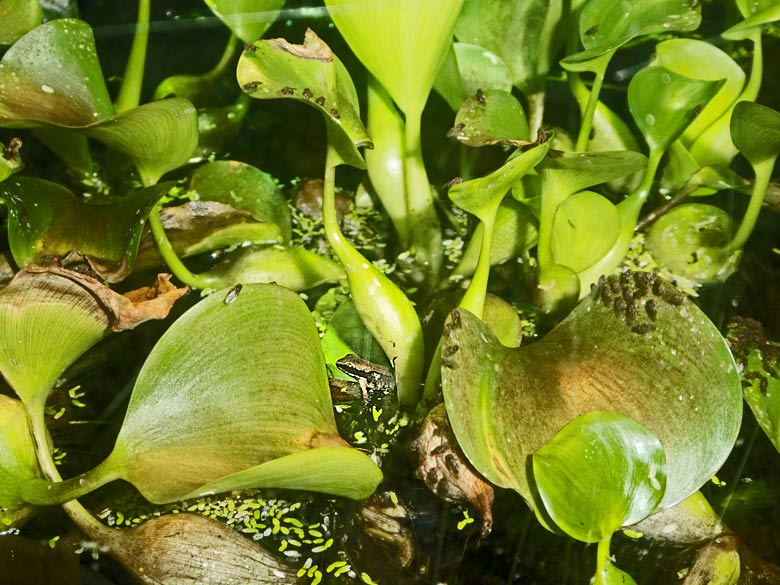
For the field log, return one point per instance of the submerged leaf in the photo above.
(600, 472)
(506, 403)
(237, 383)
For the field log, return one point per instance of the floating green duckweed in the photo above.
(298, 531)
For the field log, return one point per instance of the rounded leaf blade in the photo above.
(600, 472)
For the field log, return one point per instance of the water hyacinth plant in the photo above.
(372, 291)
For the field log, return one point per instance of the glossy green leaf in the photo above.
(759, 359)
(504, 404)
(481, 197)
(401, 43)
(18, 17)
(291, 267)
(18, 461)
(158, 137)
(768, 12)
(598, 473)
(564, 173)
(614, 576)
(470, 68)
(491, 117)
(585, 227)
(663, 103)
(244, 187)
(52, 75)
(248, 19)
(514, 234)
(520, 33)
(46, 220)
(690, 240)
(310, 73)
(755, 130)
(250, 393)
(605, 26)
(700, 60)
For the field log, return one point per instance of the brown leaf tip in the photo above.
(313, 47)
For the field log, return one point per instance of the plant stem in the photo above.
(474, 299)
(232, 48)
(763, 172)
(130, 91)
(599, 69)
(425, 228)
(180, 271)
(602, 561)
(90, 525)
(750, 92)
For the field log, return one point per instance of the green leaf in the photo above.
(491, 117)
(481, 197)
(520, 33)
(514, 234)
(700, 60)
(18, 17)
(32, 306)
(82, 310)
(504, 404)
(401, 43)
(18, 461)
(310, 73)
(565, 173)
(158, 137)
(291, 267)
(52, 75)
(766, 12)
(471, 68)
(248, 19)
(605, 26)
(244, 187)
(690, 241)
(585, 227)
(237, 382)
(755, 130)
(600, 472)
(46, 220)
(759, 359)
(664, 103)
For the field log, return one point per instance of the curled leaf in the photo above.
(505, 403)
(82, 310)
(45, 223)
